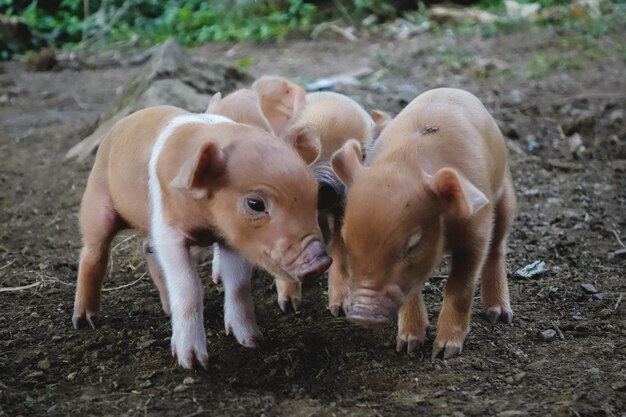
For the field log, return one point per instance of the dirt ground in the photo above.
(313, 364)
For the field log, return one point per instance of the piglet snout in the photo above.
(315, 261)
(368, 315)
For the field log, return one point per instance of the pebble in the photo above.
(548, 335)
(577, 316)
(616, 117)
(599, 296)
(43, 364)
(589, 288)
(71, 376)
(188, 381)
(180, 388)
(538, 365)
(56, 338)
(519, 376)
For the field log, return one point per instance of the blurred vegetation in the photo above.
(72, 24)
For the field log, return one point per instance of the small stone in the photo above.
(589, 288)
(180, 388)
(619, 386)
(71, 376)
(515, 97)
(548, 335)
(188, 381)
(616, 117)
(43, 364)
(577, 316)
(145, 384)
(599, 296)
(512, 413)
(531, 270)
(56, 338)
(519, 376)
(509, 380)
(535, 366)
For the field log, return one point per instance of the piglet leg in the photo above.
(412, 322)
(289, 294)
(154, 269)
(239, 316)
(337, 277)
(458, 295)
(216, 271)
(99, 223)
(185, 295)
(494, 286)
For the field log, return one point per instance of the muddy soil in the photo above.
(570, 209)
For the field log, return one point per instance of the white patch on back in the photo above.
(153, 183)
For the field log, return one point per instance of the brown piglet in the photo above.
(437, 179)
(336, 119)
(191, 180)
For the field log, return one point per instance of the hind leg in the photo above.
(156, 274)
(99, 223)
(494, 284)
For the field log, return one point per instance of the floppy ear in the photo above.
(305, 139)
(460, 197)
(214, 103)
(201, 174)
(281, 101)
(346, 162)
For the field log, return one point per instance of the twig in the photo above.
(7, 265)
(122, 242)
(23, 287)
(618, 239)
(107, 28)
(85, 18)
(619, 300)
(556, 327)
(343, 12)
(125, 285)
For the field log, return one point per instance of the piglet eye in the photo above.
(255, 204)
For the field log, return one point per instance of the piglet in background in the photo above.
(436, 179)
(335, 119)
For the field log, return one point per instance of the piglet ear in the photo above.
(381, 119)
(460, 198)
(201, 174)
(281, 101)
(346, 162)
(305, 139)
(214, 103)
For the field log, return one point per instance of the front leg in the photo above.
(458, 295)
(239, 318)
(185, 295)
(412, 322)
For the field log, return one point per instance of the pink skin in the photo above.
(202, 183)
(440, 178)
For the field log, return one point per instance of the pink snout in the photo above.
(313, 262)
(368, 315)
(375, 308)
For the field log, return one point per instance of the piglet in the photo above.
(336, 119)
(191, 180)
(436, 179)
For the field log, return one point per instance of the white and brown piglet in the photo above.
(191, 180)
(436, 179)
(336, 119)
